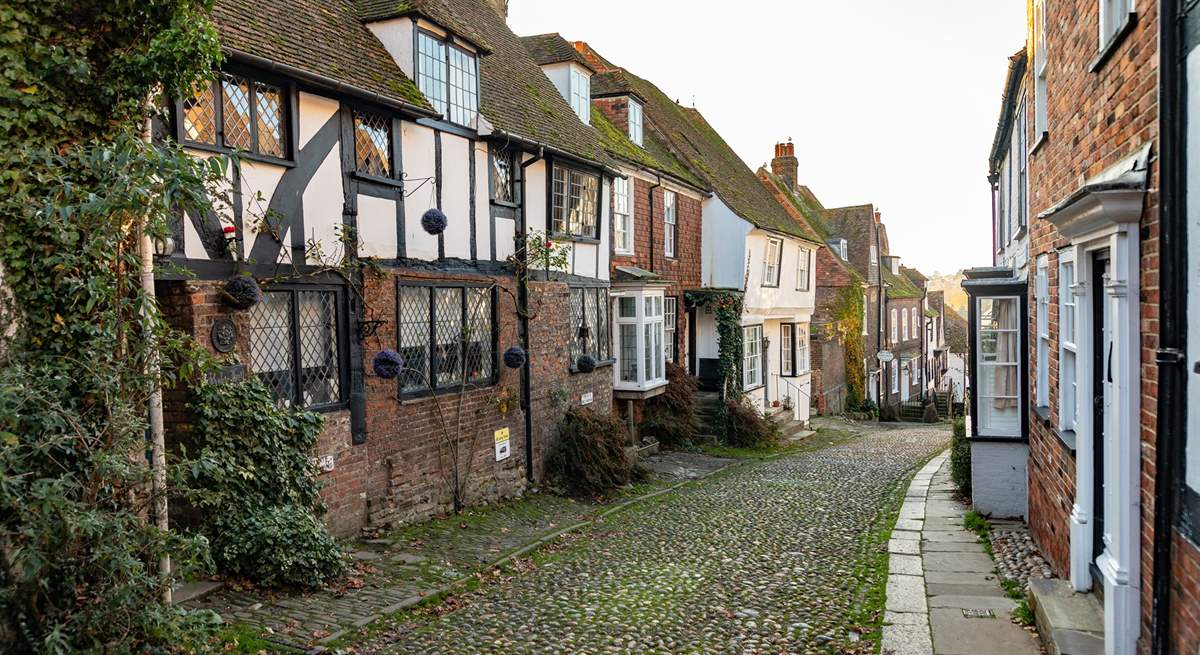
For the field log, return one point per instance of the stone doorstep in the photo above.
(1070, 623)
(189, 591)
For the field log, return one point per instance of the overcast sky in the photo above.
(892, 102)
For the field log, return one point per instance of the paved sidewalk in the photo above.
(943, 596)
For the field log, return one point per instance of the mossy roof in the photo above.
(695, 143)
(899, 286)
(553, 49)
(654, 155)
(321, 38)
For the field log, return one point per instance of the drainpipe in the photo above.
(523, 320)
(650, 197)
(879, 301)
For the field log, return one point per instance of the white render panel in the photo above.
(259, 181)
(584, 259)
(535, 197)
(456, 195)
(420, 187)
(192, 246)
(323, 210)
(785, 300)
(999, 482)
(506, 231)
(604, 251)
(723, 245)
(483, 210)
(396, 35)
(315, 111)
(560, 77)
(376, 227)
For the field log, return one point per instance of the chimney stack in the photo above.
(501, 7)
(591, 56)
(877, 215)
(785, 165)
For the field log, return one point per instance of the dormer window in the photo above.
(449, 77)
(839, 248)
(635, 122)
(581, 94)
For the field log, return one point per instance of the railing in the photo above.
(784, 388)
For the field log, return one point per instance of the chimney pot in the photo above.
(785, 164)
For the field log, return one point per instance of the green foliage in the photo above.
(588, 457)
(960, 456)
(671, 416)
(257, 489)
(727, 312)
(746, 427)
(846, 327)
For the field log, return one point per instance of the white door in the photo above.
(904, 383)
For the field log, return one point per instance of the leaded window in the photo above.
(589, 324)
(575, 206)
(505, 176)
(449, 77)
(295, 346)
(446, 336)
(372, 144)
(236, 112)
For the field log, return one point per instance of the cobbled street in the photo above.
(775, 556)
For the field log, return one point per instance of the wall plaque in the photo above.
(224, 335)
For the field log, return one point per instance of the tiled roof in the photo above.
(899, 286)
(655, 155)
(322, 38)
(553, 49)
(695, 143)
(853, 224)
(613, 83)
(1008, 101)
(806, 204)
(913, 274)
(442, 12)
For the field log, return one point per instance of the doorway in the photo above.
(1102, 383)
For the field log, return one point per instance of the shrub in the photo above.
(589, 456)
(276, 545)
(889, 413)
(257, 488)
(746, 427)
(671, 416)
(960, 456)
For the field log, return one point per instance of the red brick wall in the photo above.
(1095, 119)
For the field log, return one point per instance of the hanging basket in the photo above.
(434, 221)
(387, 364)
(585, 364)
(514, 357)
(242, 292)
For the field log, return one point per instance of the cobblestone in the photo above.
(772, 557)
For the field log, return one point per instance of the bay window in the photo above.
(668, 223)
(640, 335)
(998, 352)
(771, 261)
(622, 216)
(752, 372)
(575, 203)
(446, 335)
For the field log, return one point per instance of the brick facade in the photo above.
(401, 472)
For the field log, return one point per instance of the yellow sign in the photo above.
(502, 444)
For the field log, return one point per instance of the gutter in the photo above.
(328, 83)
(523, 321)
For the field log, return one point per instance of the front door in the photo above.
(1102, 382)
(904, 383)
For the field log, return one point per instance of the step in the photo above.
(1069, 622)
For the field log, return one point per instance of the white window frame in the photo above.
(1114, 15)
(1042, 388)
(802, 361)
(1020, 173)
(894, 366)
(904, 323)
(772, 254)
(752, 373)
(649, 363)
(1068, 350)
(916, 323)
(804, 269)
(580, 93)
(670, 210)
(1040, 104)
(623, 241)
(894, 325)
(787, 349)
(636, 119)
(986, 367)
(670, 322)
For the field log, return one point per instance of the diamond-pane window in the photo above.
(589, 324)
(455, 324)
(504, 187)
(291, 326)
(236, 111)
(200, 117)
(372, 144)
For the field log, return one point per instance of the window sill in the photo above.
(429, 393)
(1107, 50)
(1067, 437)
(1041, 140)
(601, 364)
(624, 253)
(503, 203)
(753, 388)
(1043, 414)
(329, 408)
(769, 286)
(386, 181)
(574, 239)
(243, 155)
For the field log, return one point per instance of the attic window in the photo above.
(635, 122)
(449, 77)
(581, 94)
(838, 246)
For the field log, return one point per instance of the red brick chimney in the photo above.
(877, 215)
(591, 56)
(785, 165)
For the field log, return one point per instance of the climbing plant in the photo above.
(79, 559)
(727, 313)
(846, 326)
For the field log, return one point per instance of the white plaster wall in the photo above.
(193, 247)
(456, 195)
(323, 209)
(483, 221)
(419, 164)
(376, 227)
(722, 244)
(784, 300)
(604, 250)
(999, 481)
(396, 35)
(315, 111)
(560, 77)
(506, 230)
(259, 181)
(535, 196)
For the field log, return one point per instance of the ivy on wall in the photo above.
(727, 313)
(846, 327)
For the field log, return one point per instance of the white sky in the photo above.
(892, 102)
